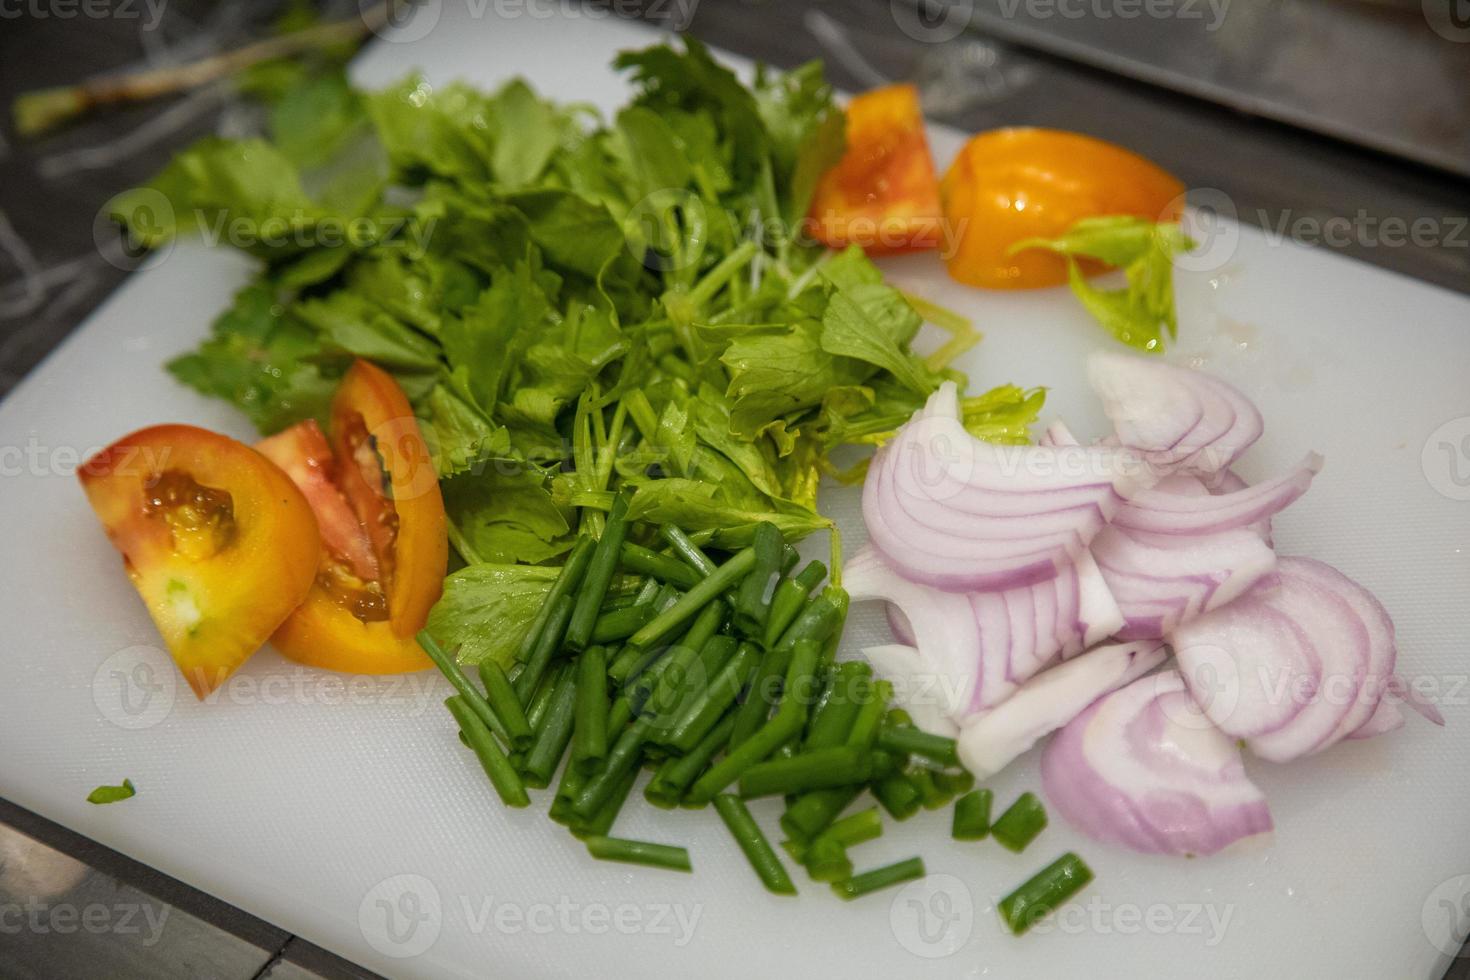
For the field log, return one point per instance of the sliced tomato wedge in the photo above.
(219, 542)
(1009, 185)
(385, 547)
(883, 194)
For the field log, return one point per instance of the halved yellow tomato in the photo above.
(220, 544)
(1010, 185)
(386, 548)
(883, 194)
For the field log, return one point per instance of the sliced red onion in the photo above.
(1421, 705)
(1228, 481)
(917, 685)
(1180, 419)
(1163, 580)
(1385, 718)
(1142, 768)
(1174, 513)
(988, 742)
(960, 514)
(987, 643)
(1292, 670)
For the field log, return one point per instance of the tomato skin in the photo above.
(375, 440)
(1008, 185)
(883, 195)
(302, 452)
(215, 600)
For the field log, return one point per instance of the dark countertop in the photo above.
(53, 273)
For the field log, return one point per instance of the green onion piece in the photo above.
(898, 795)
(505, 705)
(819, 769)
(810, 813)
(699, 714)
(695, 599)
(619, 624)
(818, 619)
(638, 852)
(912, 741)
(112, 794)
(784, 726)
(657, 687)
(1020, 824)
(492, 759)
(790, 596)
(972, 815)
(555, 732)
(664, 568)
(827, 860)
(622, 758)
(1057, 882)
(567, 582)
(589, 741)
(599, 575)
(571, 783)
(753, 600)
(675, 693)
(870, 881)
(954, 782)
(536, 710)
(447, 665)
(851, 830)
(602, 822)
(789, 557)
(753, 843)
(686, 549)
(540, 660)
(669, 783)
(834, 716)
(764, 688)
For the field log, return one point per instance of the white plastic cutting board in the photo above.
(350, 815)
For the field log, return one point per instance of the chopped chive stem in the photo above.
(676, 774)
(505, 705)
(752, 713)
(789, 557)
(663, 568)
(473, 699)
(954, 782)
(784, 726)
(683, 668)
(607, 814)
(638, 852)
(912, 741)
(871, 881)
(1053, 885)
(789, 599)
(701, 713)
(864, 731)
(571, 783)
(695, 599)
(493, 760)
(833, 719)
(556, 731)
(600, 569)
(753, 599)
(621, 758)
(810, 813)
(815, 622)
(855, 828)
(619, 624)
(898, 795)
(1020, 824)
(566, 583)
(686, 549)
(589, 739)
(972, 815)
(536, 710)
(747, 833)
(826, 860)
(818, 769)
(550, 642)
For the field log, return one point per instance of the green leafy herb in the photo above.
(112, 794)
(1142, 312)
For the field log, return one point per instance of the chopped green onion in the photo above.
(565, 584)
(789, 599)
(827, 860)
(554, 734)
(972, 815)
(638, 852)
(550, 643)
(838, 766)
(673, 778)
(870, 881)
(589, 739)
(505, 705)
(112, 794)
(753, 843)
(701, 713)
(898, 795)
(695, 599)
(1020, 824)
(686, 549)
(912, 741)
(607, 814)
(664, 568)
(492, 759)
(599, 575)
(619, 624)
(753, 599)
(447, 665)
(1053, 885)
